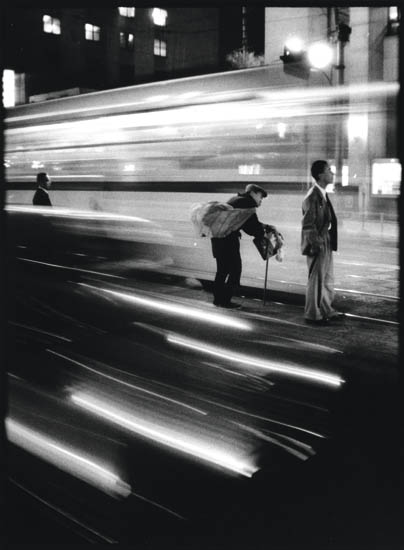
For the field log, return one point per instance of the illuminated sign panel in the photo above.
(386, 177)
(8, 88)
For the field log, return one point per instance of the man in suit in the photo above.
(319, 240)
(41, 197)
(226, 250)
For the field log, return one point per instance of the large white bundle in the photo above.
(218, 219)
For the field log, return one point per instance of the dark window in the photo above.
(126, 40)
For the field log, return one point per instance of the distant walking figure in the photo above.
(318, 240)
(41, 197)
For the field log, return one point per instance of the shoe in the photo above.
(336, 315)
(318, 322)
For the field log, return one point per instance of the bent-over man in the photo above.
(226, 250)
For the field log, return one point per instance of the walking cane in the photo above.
(266, 278)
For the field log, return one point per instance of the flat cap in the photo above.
(255, 189)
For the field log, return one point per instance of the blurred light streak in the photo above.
(315, 94)
(65, 459)
(46, 333)
(157, 505)
(117, 380)
(264, 418)
(64, 514)
(183, 311)
(302, 343)
(290, 370)
(160, 97)
(275, 441)
(180, 441)
(267, 105)
(321, 93)
(189, 95)
(76, 214)
(76, 176)
(71, 268)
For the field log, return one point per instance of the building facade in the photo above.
(76, 49)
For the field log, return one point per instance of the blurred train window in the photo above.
(126, 40)
(92, 32)
(51, 25)
(159, 17)
(160, 48)
(394, 20)
(127, 12)
(386, 177)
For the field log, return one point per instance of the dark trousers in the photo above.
(228, 260)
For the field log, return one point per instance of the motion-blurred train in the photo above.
(154, 150)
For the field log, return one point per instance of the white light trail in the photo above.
(127, 384)
(370, 89)
(175, 309)
(272, 366)
(79, 270)
(77, 214)
(68, 460)
(209, 452)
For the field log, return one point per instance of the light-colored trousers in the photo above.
(320, 285)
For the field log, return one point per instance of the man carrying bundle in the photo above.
(226, 250)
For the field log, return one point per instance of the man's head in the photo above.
(43, 180)
(321, 172)
(256, 192)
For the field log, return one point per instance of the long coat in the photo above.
(318, 219)
(41, 198)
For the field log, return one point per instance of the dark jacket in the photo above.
(318, 216)
(252, 226)
(41, 198)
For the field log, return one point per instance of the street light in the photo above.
(320, 55)
(295, 58)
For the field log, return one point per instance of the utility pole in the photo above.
(342, 36)
(244, 41)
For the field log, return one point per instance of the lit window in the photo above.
(51, 25)
(127, 12)
(126, 40)
(394, 20)
(393, 13)
(92, 32)
(159, 17)
(8, 88)
(160, 48)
